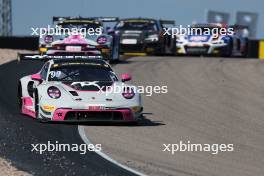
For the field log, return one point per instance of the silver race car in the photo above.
(78, 89)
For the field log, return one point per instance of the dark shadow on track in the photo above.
(142, 122)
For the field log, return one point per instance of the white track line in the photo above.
(87, 141)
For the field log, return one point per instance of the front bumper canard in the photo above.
(93, 115)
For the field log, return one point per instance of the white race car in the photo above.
(79, 90)
(210, 42)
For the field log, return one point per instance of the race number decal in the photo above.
(55, 74)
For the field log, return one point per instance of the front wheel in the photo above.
(36, 100)
(19, 96)
(245, 49)
(115, 55)
(115, 52)
(229, 50)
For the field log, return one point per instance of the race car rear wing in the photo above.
(59, 19)
(106, 19)
(37, 57)
(168, 22)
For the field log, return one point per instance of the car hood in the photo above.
(96, 91)
(73, 97)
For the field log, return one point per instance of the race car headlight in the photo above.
(152, 38)
(54, 92)
(128, 93)
(43, 49)
(101, 40)
(48, 108)
(48, 39)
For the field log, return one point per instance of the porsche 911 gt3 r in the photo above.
(76, 90)
(211, 43)
(96, 38)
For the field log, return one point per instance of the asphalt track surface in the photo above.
(209, 100)
(18, 132)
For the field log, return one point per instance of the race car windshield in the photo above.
(136, 26)
(81, 73)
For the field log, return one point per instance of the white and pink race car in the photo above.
(76, 88)
(74, 44)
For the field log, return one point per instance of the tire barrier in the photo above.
(19, 42)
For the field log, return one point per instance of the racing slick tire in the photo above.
(36, 100)
(245, 51)
(115, 55)
(229, 49)
(19, 96)
(137, 122)
(118, 55)
(115, 52)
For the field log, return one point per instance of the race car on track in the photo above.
(78, 89)
(211, 43)
(95, 38)
(143, 36)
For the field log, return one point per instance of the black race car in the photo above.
(143, 36)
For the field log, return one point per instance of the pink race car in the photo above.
(101, 40)
(74, 44)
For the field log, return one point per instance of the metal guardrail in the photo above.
(255, 47)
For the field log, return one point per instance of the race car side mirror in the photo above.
(126, 77)
(110, 30)
(36, 77)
